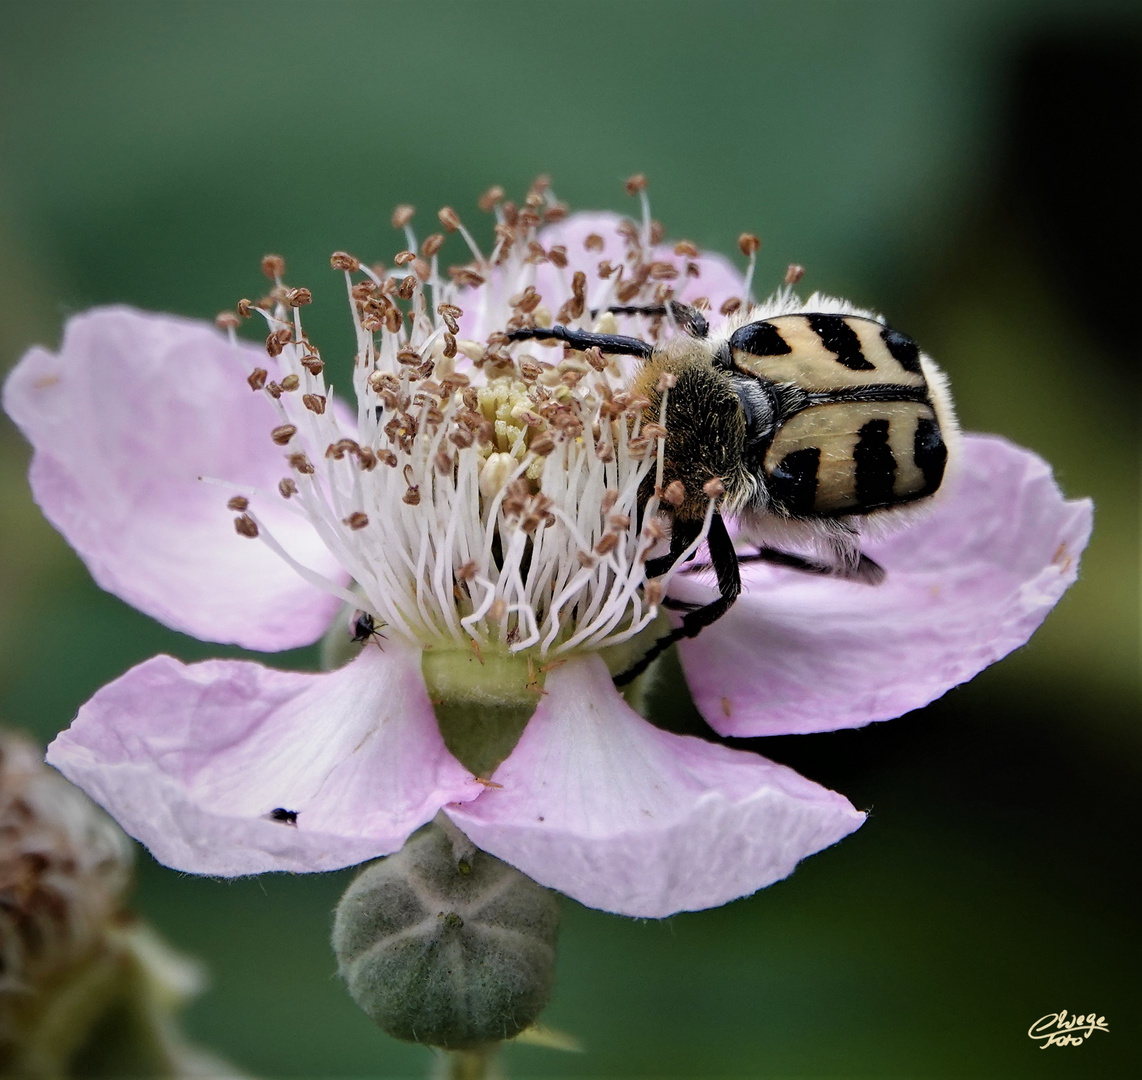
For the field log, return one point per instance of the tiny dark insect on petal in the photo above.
(283, 816)
(364, 626)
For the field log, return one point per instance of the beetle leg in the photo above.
(724, 560)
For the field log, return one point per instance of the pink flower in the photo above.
(483, 509)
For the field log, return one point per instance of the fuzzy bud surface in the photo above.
(447, 945)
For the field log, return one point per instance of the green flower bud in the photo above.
(446, 945)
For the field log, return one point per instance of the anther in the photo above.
(748, 244)
(257, 378)
(675, 493)
(315, 403)
(313, 364)
(666, 381)
(730, 306)
(274, 390)
(607, 543)
(558, 255)
(526, 301)
(283, 433)
(287, 488)
(245, 308)
(449, 345)
(273, 266)
(421, 269)
(227, 320)
(403, 258)
(342, 260)
(278, 340)
(490, 198)
(301, 463)
(465, 275)
(246, 526)
(684, 247)
(450, 313)
(794, 273)
(290, 383)
(356, 520)
(432, 245)
(594, 242)
(653, 592)
(299, 297)
(448, 218)
(542, 445)
(402, 215)
(238, 502)
(714, 489)
(636, 183)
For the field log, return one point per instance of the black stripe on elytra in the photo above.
(840, 338)
(793, 483)
(759, 339)
(903, 349)
(872, 392)
(930, 453)
(875, 466)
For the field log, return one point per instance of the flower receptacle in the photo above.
(483, 701)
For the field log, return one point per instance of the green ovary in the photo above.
(482, 702)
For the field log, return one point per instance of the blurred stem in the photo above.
(478, 1064)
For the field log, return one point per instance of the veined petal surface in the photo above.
(193, 759)
(603, 806)
(124, 420)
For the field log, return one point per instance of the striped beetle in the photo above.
(816, 424)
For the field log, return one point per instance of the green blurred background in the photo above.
(969, 168)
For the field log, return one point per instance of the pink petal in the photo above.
(124, 420)
(191, 758)
(601, 805)
(966, 584)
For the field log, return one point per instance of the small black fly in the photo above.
(363, 626)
